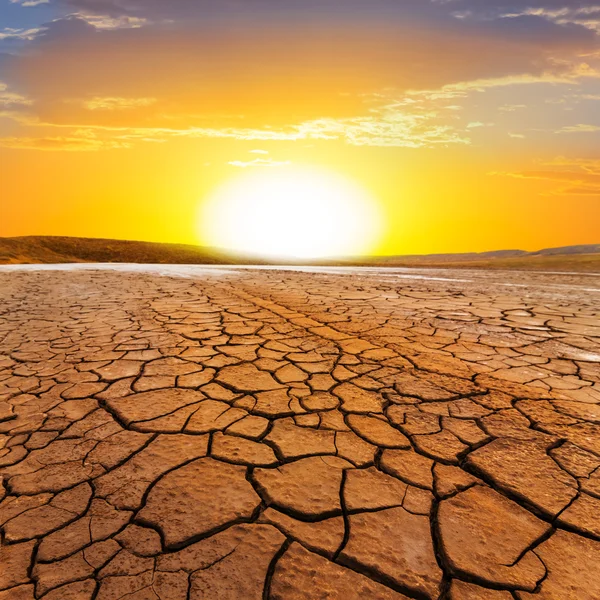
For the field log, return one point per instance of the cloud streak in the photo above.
(259, 162)
(63, 144)
(578, 176)
(111, 103)
(12, 99)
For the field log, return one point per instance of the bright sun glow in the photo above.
(291, 213)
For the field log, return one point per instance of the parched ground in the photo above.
(238, 434)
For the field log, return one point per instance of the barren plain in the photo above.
(187, 433)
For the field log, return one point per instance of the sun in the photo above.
(291, 213)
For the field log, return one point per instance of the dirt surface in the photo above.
(187, 433)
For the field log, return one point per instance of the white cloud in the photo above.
(11, 98)
(388, 128)
(586, 16)
(512, 107)
(29, 3)
(106, 22)
(117, 103)
(9, 33)
(259, 162)
(579, 128)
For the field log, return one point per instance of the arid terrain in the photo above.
(229, 433)
(57, 250)
(68, 250)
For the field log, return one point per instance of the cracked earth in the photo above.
(267, 434)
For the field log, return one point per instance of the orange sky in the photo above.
(473, 125)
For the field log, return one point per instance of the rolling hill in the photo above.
(49, 250)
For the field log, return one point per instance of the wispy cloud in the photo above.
(70, 144)
(588, 165)
(8, 98)
(406, 123)
(579, 128)
(512, 107)
(565, 72)
(388, 128)
(10, 33)
(391, 128)
(259, 162)
(29, 3)
(106, 22)
(116, 103)
(578, 176)
(585, 16)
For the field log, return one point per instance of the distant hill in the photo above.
(48, 250)
(581, 259)
(565, 250)
(494, 255)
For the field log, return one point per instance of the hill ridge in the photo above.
(64, 249)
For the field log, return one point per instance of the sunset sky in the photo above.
(472, 124)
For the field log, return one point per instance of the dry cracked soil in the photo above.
(248, 434)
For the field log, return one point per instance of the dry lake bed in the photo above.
(187, 433)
